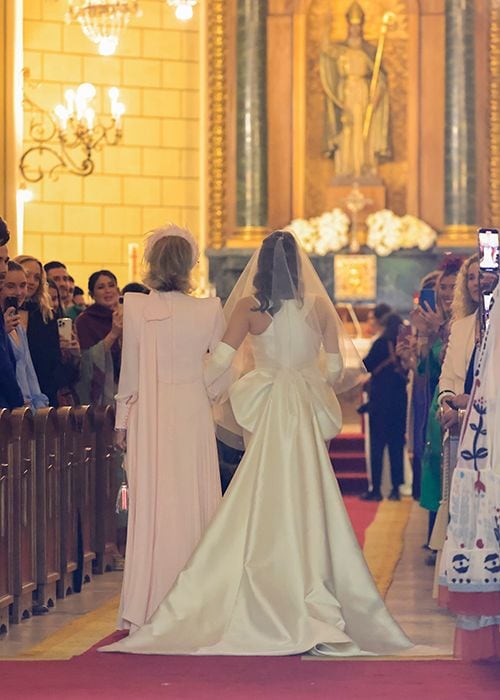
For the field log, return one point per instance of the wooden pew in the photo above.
(24, 505)
(107, 461)
(86, 488)
(6, 491)
(67, 500)
(48, 516)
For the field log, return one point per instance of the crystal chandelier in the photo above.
(67, 140)
(183, 8)
(103, 20)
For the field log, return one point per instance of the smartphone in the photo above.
(65, 328)
(404, 332)
(427, 299)
(488, 249)
(11, 302)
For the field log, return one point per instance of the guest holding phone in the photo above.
(99, 331)
(457, 372)
(10, 393)
(48, 353)
(421, 396)
(433, 337)
(12, 297)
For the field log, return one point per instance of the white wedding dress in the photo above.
(279, 570)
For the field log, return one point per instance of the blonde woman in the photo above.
(164, 419)
(430, 367)
(38, 319)
(457, 371)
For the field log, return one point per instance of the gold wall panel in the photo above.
(216, 33)
(320, 170)
(355, 277)
(494, 76)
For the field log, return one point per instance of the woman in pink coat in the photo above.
(164, 420)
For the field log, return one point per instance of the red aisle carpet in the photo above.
(118, 677)
(361, 514)
(247, 678)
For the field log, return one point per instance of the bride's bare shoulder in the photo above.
(246, 303)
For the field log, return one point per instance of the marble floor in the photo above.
(409, 599)
(410, 596)
(22, 637)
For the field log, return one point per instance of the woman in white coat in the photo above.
(164, 420)
(455, 382)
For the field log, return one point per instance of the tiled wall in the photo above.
(153, 175)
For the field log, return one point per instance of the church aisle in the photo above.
(410, 596)
(30, 633)
(81, 620)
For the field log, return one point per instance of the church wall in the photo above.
(153, 175)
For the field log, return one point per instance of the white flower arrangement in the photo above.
(388, 232)
(323, 234)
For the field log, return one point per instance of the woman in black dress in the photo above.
(386, 408)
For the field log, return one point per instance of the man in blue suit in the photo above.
(10, 394)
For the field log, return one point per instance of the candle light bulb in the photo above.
(119, 111)
(107, 45)
(70, 101)
(184, 12)
(86, 90)
(89, 117)
(62, 115)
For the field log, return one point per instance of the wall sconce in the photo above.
(70, 137)
(183, 8)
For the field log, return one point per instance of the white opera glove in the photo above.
(123, 404)
(215, 373)
(334, 366)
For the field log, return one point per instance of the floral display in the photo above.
(387, 232)
(323, 234)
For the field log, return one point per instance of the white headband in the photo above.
(172, 230)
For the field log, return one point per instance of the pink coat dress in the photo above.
(171, 459)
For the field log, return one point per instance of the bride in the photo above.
(279, 570)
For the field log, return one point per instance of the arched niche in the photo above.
(414, 60)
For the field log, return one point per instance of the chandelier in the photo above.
(183, 8)
(67, 140)
(102, 21)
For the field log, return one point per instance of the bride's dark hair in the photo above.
(272, 286)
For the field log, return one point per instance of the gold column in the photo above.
(494, 81)
(11, 126)
(460, 156)
(216, 149)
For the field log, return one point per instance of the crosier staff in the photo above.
(388, 20)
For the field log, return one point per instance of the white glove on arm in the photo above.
(334, 366)
(216, 366)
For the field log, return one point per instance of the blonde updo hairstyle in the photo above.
(168, 265)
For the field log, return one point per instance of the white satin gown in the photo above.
(279, 570)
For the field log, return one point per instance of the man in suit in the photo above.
(10, 393)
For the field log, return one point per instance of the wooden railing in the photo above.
(59, 477)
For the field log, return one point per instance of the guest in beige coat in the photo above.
(458, 366)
